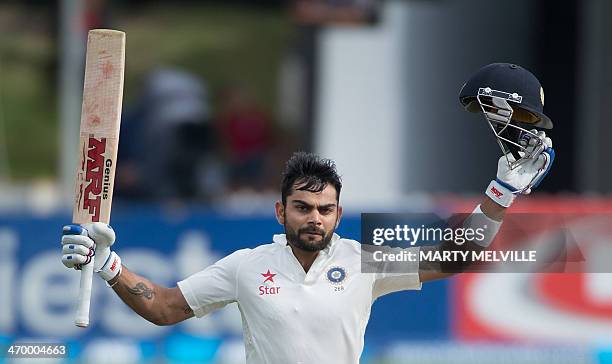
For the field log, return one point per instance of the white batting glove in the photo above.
(80, 243)
(523, 178)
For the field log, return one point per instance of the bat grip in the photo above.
(82, 315)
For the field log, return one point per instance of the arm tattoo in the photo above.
(188, 310)
(140, 289)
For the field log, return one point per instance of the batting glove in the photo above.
(521, 179)
(81, 242)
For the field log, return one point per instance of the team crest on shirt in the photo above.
(336, 275)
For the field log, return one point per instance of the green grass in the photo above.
(220, 44)
(28, 104)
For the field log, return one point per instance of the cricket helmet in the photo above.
(512, 101)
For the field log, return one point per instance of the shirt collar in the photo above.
(282, 240)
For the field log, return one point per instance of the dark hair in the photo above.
(312, 172)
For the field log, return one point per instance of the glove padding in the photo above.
(80, 243)
(524, 177)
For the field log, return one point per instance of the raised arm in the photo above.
(430, 270)
(157, 304)
(511, 181)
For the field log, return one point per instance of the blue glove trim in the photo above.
(73, 230)
(504, 184)
(551, 155)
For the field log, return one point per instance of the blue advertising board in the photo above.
(37, 293)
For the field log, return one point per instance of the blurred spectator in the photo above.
(166, 147)
(95, 15)
(246, 135)
(322, 12)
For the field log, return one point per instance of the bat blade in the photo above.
(98, 142)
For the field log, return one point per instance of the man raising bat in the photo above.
(303, 297)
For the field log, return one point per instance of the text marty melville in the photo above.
(456, 256)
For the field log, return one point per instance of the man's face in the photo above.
(310, 218)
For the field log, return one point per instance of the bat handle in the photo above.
(82, 315)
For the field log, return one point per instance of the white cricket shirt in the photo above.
(290, 316)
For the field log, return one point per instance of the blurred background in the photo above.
(218, 94)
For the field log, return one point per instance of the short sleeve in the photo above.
(395, 277)
(215, 286)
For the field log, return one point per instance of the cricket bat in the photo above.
(98, 142)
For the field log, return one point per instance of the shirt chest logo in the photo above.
(268, 286)
(336, 275)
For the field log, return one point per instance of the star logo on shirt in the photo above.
(269, 276)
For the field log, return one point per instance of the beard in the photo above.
(308, 243)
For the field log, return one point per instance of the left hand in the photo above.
(522, 178)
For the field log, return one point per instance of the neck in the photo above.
(305, 257)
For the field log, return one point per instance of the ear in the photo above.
(279, 211)
(339, 216)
